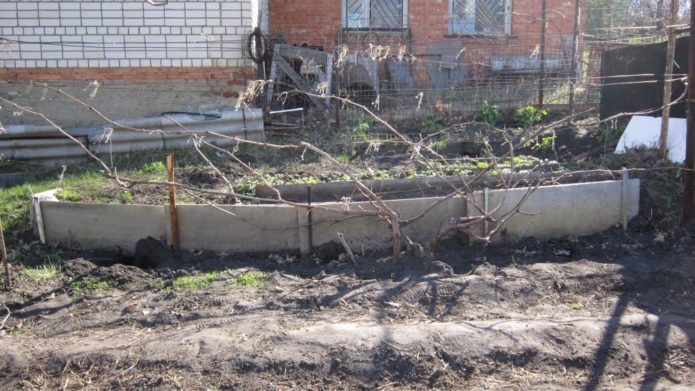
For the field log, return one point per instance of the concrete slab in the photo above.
(372, 232)
(101, 225)
(557, 211)
(238, 227)
(554, 211)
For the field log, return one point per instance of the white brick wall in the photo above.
(110, 33)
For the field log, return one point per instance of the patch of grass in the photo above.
(44, 272)
(519, 161)
(89, 285)
(249, 279)
(343, 158)
(192, 283)
(69, 195)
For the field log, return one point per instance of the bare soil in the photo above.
(612, 311)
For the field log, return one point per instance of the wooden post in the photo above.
(668, 75)
(541, 77)
(172, 203)
(5, 258)
(690, 135)
(575, 50)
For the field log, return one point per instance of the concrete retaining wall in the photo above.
(554, 211)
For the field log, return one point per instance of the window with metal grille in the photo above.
(480, 17)
(377, 14)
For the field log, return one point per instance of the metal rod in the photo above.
(541, 77)
(690, 135)
(309, 219)
(172, 203)
(486, 209)
(5, 258)
(286, 111)
(670, 55)
(575, 52)
(624, 199)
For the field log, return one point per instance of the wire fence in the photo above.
(400, 71)
(401, 67)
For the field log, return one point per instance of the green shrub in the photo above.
(153, 167)
(489, 113)
(361, 129)
(127, 197)
(431, 124)
(529, 115)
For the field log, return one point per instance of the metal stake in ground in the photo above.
(668, 75)
(172, 203)
(690, 134)
(541, 74)
(5, 258)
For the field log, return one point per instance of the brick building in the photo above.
(193, 49)
(462, 40)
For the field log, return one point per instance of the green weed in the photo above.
(482, 165)
(153, 168)
(89, 285)
(489, 113)
(192, 283)
(127, 197)
(431, 124)
(544, 145)
(529, 116)
(69, 195)
(441, 144)
(44, 272)
(361, 129)
(249, 279)
(343, 158)
(613, 132)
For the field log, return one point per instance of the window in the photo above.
(378, 14)
(480, 17)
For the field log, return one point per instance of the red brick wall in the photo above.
(235, 75)
(311, 22)
(316, 22)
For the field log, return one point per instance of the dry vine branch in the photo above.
(381, 209)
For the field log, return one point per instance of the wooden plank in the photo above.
(301, 52)
(5, 259)
(298, 80)
(172, 203)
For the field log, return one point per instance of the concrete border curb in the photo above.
(555, 211)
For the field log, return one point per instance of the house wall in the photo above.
(122, 42)
(312, 22)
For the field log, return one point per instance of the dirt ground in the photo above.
(611, 311)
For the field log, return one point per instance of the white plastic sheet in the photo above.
(644, 131)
